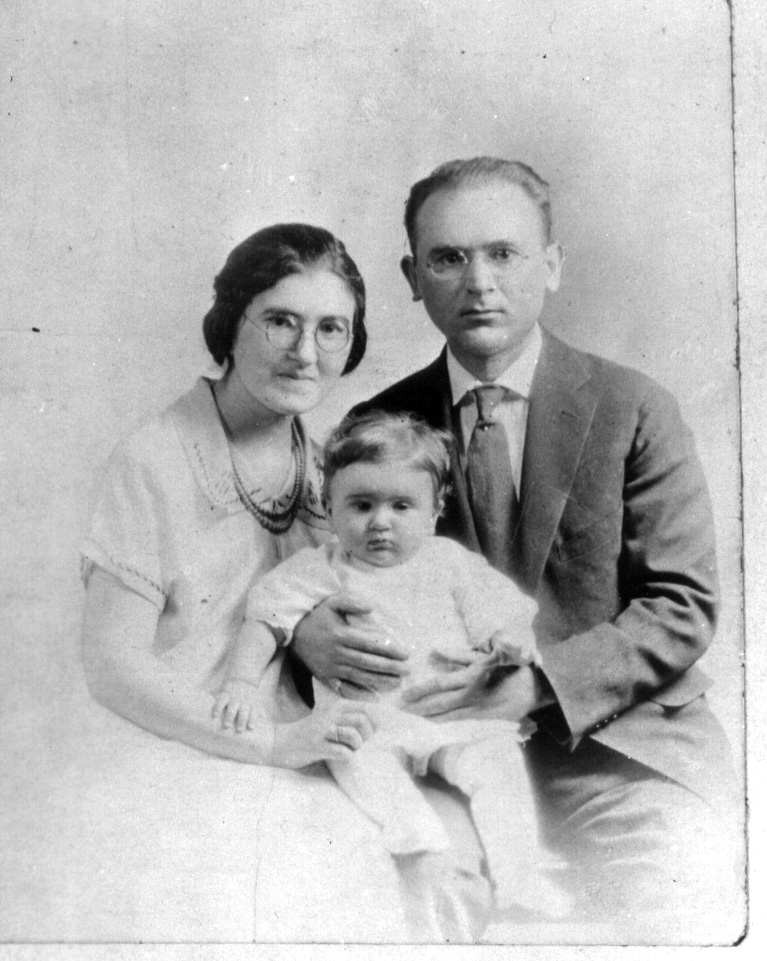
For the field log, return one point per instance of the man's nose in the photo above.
(479, 275)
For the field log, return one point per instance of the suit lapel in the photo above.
(457, 520)
(562, 405)
(458, 511)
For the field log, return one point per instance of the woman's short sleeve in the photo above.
(124, 537)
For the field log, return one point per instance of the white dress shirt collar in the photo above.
(518, 377)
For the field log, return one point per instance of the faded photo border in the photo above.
(132, 169)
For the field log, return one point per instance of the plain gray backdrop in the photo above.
(142, 139)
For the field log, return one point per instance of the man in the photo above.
(578, 478)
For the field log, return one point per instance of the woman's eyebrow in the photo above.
(282, 311)
(287, 312)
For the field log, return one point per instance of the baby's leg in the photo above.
(491, 772)
(443, 898)
(444, 901)
(376, 780)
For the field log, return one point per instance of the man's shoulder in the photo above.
(621, 383)
(423, 392)
(420, 393)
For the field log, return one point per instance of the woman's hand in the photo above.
(330, 733)
(355, 659)
(478, 691)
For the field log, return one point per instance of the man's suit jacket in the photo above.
(614, 539)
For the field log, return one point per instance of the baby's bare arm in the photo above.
(126, 676)
(237, 703)
(252, 653)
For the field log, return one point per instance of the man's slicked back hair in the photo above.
(477, 171)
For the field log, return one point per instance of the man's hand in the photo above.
(478, 691)
(354, 658)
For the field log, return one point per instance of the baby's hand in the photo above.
(511, 650)
(237, 706)
(332, 732)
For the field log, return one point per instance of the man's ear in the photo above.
(555, 258)
(407, 266)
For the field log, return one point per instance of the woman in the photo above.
(194, 507)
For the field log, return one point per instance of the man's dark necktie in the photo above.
(491, 483)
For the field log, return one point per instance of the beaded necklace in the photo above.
(276, 521)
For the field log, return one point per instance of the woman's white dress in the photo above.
(178, 845)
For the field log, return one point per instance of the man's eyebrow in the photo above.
(447, 248)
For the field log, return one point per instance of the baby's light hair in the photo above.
(378, 437)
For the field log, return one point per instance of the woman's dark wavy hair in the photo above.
(262, 261)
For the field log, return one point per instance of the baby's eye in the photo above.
(402, 506)
(362, 507)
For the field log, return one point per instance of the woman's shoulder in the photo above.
(141, 447)
(155, 445)
(149, 438)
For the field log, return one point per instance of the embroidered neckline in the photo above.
(204, 440)
(276, 520)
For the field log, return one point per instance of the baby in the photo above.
(385, 478)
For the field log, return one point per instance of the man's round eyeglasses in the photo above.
(453, 262)
(284, 332)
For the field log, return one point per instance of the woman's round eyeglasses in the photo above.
(453, 262)
(284, 332)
